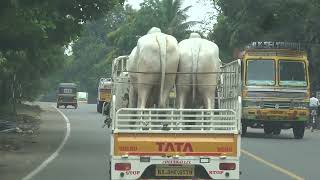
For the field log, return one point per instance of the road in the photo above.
(84, 157)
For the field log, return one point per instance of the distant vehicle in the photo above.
(82, 97)
(104, 93)
(67, 95)
(276, 87)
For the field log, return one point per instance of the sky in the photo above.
(199, 11)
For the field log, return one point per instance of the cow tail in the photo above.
(162, 42)
(195, 56)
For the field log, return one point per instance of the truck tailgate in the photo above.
(153, 144)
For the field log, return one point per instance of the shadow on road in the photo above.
(264, 136)
(67, 108)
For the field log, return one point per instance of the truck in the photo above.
(67, 95)
(171, 143)
(275, 87)
(104, 93)
(82, 97)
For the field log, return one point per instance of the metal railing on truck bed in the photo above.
(177, 120)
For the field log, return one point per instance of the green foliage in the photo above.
(32, 36)
(244, 21)
(168, 15)
(91, 54)
(117, 34)
(28, 24)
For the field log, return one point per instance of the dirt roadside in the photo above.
(39, 133)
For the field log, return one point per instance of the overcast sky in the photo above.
(198, 12)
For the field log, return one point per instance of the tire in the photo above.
(76, 106)
(65, 106)
(277, 131)
(298, 130)
(99, 107)
(58, 106)
(267, 129)
(313, 124)
(109, 169)
(244, 129)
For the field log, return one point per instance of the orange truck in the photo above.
(172, 143)
(104, 93)
(275, 87)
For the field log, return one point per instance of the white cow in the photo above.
(155, 54)
(197, 55)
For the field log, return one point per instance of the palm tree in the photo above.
(175, 18)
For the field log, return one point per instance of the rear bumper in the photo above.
(207, 169)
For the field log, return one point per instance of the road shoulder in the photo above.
(15, 164)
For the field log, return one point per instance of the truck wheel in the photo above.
(298, 130)
(244, 129)
(58, 106)
(267, 129)
(277, 131)
(109, 169)
(76, 106)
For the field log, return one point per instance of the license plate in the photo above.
(174, 171)
(276, 112)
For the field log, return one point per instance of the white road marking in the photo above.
(45, 163)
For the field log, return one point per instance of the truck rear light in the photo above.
(122, 166)
(227, 166)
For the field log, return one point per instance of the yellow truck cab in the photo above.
(275, 87)
(104, 93)
(170, 143)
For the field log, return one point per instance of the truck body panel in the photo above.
(175, 144)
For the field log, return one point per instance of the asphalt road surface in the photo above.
(84, 155)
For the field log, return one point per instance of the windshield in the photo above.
(260, 72)
(292, 73)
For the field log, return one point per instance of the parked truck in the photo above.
(104, 93)
(154, 143)
(276, 87)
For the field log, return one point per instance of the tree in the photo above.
(91, 50)
(32, 35)
(243, 21)
(117, 34)
(166, 15)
